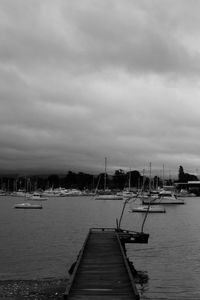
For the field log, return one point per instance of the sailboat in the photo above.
(163, 197)
(27, 205)
(148, 194)
(107, 195)
(127, 193)
(164, 200)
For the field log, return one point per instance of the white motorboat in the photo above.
(185, 193)
(128, 194)
(109, 197)
(70, 192)
(19, 193)
(146, 197)
(37, 197)
(163, 200)
(27, 205)
(51, 193)
(149, 209)
(2, 193)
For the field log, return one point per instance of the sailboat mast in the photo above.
(129, 181)
(105, 173)
(163, 176)
(143, 180)
(150, 178)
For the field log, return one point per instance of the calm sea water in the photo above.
(37, 244)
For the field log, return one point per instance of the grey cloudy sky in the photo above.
(81, 80)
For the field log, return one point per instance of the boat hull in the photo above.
(108, 197)
(163, 202)
(145, 209)
(25, 206)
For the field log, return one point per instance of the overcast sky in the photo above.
(81, 80)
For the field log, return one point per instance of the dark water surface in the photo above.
(42, 244)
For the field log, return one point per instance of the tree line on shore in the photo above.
(82, 181)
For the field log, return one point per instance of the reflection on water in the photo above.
(43, 243)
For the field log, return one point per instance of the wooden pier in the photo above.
(102, 270)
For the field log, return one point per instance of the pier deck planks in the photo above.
(102, 272)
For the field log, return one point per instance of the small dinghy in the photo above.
(28, 206)
(149, 209)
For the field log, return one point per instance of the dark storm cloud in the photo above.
(81, 80)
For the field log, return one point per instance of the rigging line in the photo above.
(125, 202)
(97, 185)
(120, 219)
(146, 214)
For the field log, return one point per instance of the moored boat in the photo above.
(107, 194)
(2, 193)
(149, 209)
(128, 194)
(185, 193)
(19, 193)
(109, 197)
(28, 206)
(37, 197)
(51, 193)
(163, 200)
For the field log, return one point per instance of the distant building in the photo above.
(192, 186)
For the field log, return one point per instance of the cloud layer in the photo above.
(81, 80)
